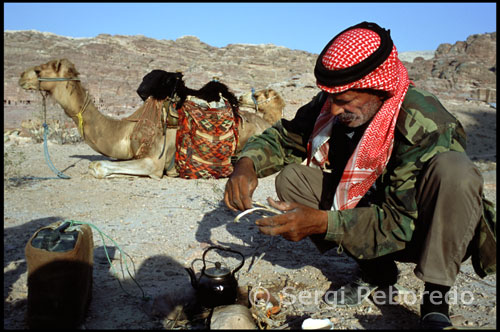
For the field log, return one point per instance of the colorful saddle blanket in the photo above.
(206, 139)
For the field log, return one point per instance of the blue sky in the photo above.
(302, 26)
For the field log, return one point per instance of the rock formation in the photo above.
(112, 67)
(466, 69)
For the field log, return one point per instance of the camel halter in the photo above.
(257, 103)
(59, 174)
(79, 114)
(85, 103)
(57, 79)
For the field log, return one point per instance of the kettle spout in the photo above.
(192, 275)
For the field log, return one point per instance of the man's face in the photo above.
(354, 108)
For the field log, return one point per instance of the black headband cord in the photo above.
(331, 78)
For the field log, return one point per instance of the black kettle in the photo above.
(216, 285)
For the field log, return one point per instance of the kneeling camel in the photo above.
(113, 137)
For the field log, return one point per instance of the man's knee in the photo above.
(455, 168)
(287, 176)
(299, 183)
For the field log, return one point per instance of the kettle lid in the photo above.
(218, 271)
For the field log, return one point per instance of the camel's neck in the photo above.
(98, 131)
(71, 96)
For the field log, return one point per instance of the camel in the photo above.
(267, 102)
(109, 136)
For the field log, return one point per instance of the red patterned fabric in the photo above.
(206, 140)
(374, 148)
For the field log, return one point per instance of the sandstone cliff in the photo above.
(112, 67)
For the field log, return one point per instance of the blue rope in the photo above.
(253, 98)
(59, 174)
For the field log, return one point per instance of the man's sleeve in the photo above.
(285, 142)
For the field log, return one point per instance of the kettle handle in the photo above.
(225, 249)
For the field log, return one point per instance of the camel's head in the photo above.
(62, 68)
(160, 84)
(263, 98)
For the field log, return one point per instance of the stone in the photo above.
(232, 317)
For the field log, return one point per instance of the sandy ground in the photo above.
(166, 224)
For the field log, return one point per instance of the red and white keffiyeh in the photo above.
(374, 148)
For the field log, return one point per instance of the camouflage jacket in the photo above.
(424, 128)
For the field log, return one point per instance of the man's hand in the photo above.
(241, 185)
(298, 222)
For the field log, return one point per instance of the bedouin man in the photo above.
(386, 175)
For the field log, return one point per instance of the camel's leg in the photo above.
(151, 167)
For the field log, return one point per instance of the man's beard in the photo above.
(347, 117)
